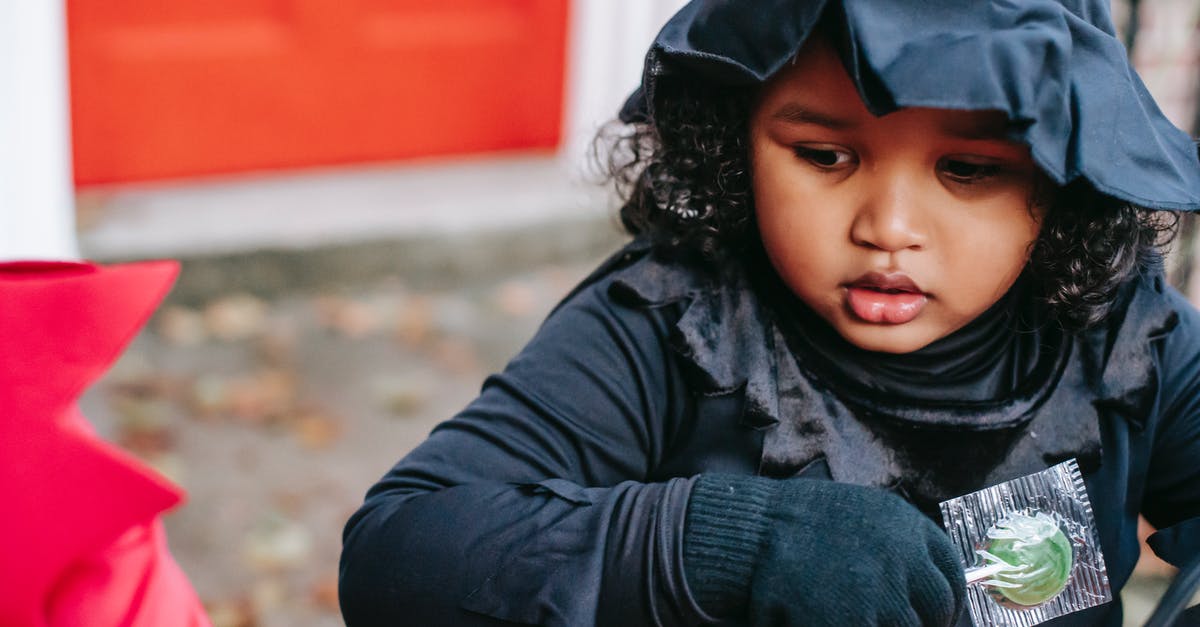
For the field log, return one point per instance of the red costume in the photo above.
(81, 542)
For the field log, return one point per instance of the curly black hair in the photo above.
(685, 183)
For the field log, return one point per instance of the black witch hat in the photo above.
(1054, 67)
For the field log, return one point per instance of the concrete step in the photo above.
(444, 223)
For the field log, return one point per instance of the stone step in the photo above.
(428, 223)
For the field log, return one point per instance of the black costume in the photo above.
(559, 495)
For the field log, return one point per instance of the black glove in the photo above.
(813, 552)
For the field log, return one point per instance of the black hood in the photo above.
(1054, 67)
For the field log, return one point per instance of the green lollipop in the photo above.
(1031, 559)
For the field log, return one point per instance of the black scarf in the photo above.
(1013, 403)
(989, 359)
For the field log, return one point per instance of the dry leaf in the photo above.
(277, 543)
(515, 298)
(141, 414)
(406, 402)
(316, 431)
(277, 346)
(236, 317)
(326, 307)
(402, 396)
(456, 355)
(324, 593)
(182, 326)
(355, 320)
(268, 594)
(231, 613)
(208, 396)
(262, 397)
(144, 386)
(414, 321)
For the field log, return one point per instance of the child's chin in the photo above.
(889, 338)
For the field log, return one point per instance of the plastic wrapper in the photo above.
(1029, 547)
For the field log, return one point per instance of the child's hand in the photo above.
(827, 554)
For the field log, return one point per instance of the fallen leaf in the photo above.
(268, 594)
(324, 593)
(515, 298)
(326, 307)
(277, 345)
(182, 326)
(355, 320)
(455, 355)
(231, 613)
(141, 414)
(401, 396)
(144, 386)
(316, 431)
(262, 397)
(208, 395)
(414, 321)
(404, 403)
(235, 317)
(277, 543)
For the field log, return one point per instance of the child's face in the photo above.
(897, 230)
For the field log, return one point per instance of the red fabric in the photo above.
(134, 583)
(80, 541)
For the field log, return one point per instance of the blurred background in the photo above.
(375, 203)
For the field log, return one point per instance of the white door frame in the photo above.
(607, 42)
(37, 203)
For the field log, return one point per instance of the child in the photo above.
(886, 253)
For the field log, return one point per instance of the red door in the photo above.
(195, 87)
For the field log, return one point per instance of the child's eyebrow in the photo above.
(991, 128)
(793, 113)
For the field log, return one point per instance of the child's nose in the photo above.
(889, 216)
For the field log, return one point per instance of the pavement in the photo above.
(322, 326)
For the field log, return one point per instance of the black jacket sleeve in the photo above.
(1172, 498)
(530, 506)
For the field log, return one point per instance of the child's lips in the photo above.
(881, 298)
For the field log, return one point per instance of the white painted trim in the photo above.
(608, 40)
(37, 214)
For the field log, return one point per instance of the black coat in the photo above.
(557, 497)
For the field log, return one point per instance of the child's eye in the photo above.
(965, 171)
(824, 158)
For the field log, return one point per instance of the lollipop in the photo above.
(1027, 560)
(1029, 547)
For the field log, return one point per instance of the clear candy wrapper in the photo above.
(1029, 548)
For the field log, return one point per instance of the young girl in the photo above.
(886, 253)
